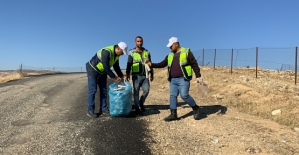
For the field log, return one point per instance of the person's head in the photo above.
(139, 41)
(173, 44)
(121, 48)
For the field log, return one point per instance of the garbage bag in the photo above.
(120, 99)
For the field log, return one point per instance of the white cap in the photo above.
(171, 41)
(123, 46)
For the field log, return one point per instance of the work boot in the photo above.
(142, 107)
(141, 103)
(173, 116)
(196, 112)
(137, 111)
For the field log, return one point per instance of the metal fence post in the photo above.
(296, 58)
(214, 59)
(21, 68)
(231, 65)
(203, 57)
(256, 64)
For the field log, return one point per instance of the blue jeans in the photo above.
(143, 82)
(101, 81)
(180, 85)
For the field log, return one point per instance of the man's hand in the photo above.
(117, 79)
(199, 80)
(152, 78)
(126, 78)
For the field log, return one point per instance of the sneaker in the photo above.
(91, 114)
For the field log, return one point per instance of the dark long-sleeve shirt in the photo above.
(176, 70)
(130, 63)
(191, 60)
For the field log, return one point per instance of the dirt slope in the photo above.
(243, 128)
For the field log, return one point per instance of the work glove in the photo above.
(199, 80)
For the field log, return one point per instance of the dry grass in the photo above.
(6, 76)
(257, 96)
(9, 76)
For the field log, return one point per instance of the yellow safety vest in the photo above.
(138, 61)
(113, 59)
(185, 66)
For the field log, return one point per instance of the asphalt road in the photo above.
(47, 115)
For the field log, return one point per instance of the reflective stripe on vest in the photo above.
(138, 61)
(183, 59)
(113, 58)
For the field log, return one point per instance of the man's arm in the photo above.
(162, 64)
(117, 69)
(105, 61)
(150, 59)
(129, 65)
(194, 65)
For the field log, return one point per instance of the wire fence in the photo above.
(277, 59)
(280, 59)
(24, 68)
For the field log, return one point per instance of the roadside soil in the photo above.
(224, 128)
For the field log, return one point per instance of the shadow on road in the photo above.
(155, 109)
(207, 110)
(204, 110)
(115, 135)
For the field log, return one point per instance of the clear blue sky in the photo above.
(67, 33)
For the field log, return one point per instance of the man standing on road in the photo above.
(97, 70)
(180, 62)
(136, 59)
